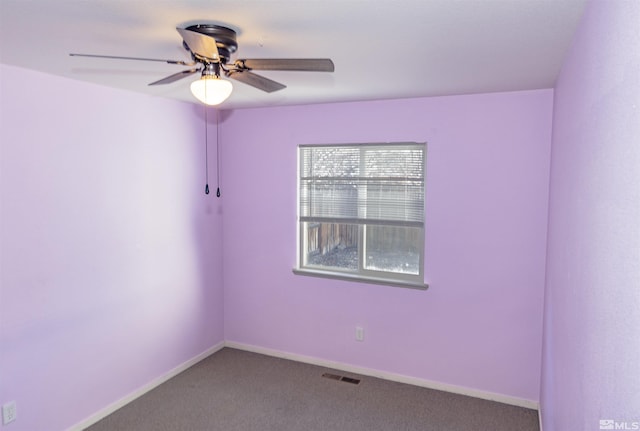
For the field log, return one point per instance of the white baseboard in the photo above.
(144, 389)
(514, 401)
(540, 418)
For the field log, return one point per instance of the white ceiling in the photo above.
(381, 48)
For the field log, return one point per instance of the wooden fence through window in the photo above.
(322, 238)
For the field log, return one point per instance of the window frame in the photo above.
(362, 274)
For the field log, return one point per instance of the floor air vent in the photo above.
(341, 378)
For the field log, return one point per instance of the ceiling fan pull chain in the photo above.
(206, 151)
(217, 152)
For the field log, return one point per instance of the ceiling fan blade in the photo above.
(296, 64)
(183, 63)
(175, 77)
(200, 44)
(260, 82)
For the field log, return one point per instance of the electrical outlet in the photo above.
(9, 412)
(359, 333)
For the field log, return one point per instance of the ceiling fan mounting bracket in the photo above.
(224, 36)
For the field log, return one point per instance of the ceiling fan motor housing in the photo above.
(225, 39)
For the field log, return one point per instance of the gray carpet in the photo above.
(233, 390)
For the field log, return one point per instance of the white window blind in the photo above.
(370, 183)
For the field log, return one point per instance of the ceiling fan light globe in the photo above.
(211, 90)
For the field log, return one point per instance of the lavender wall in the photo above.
(110, 250)
(591, 368)
(479, 326)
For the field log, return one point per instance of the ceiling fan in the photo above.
(211, 46)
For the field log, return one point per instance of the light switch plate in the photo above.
(9, 412)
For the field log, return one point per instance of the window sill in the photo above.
(359, 278)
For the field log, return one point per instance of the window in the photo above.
(361, 212)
